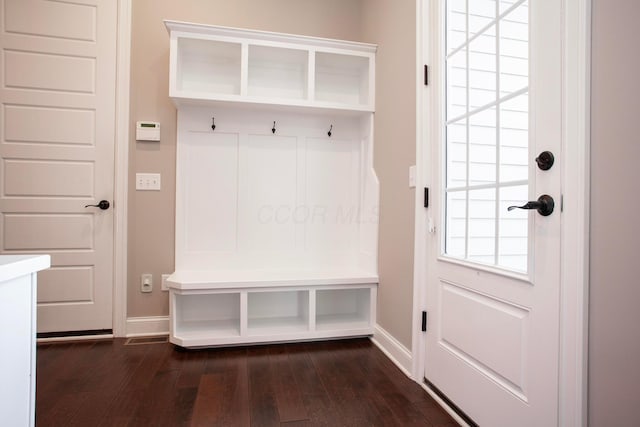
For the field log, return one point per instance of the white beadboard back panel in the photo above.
(209, 190)
(268, 181)
(249, 198)
(331, 188)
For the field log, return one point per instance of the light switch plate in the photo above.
(148, 181)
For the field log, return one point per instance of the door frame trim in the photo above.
(121, 178)
(573, 357)
(574, 296)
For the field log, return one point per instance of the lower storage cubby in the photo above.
(204, 316)
(259, 314)
(278, 312)
(338, 309)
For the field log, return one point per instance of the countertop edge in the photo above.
(12, 266)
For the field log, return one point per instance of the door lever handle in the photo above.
(103, 204)
(544, 205)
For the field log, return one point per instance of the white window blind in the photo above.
(487, 84)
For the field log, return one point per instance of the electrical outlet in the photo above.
(146, 283)
(148, 181)
(165, 285)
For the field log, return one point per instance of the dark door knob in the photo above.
(103, 204)
(545, 160)
(544, 205)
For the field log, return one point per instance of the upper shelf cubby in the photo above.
(276, 72)
(213, 64)
(208, 66)
(342, 79)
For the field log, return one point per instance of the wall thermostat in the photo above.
(147, 131)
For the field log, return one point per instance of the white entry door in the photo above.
(493, 287)
(57, 70)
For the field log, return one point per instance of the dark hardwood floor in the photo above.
(332, 383)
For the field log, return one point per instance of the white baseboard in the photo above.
(147, 326)
(403, 359)
(445, 406)
(70, 338)
(393, 349)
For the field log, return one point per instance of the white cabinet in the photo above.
(248, 315)
(277, 207)
(18, 295)
(212, 63)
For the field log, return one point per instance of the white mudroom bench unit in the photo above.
(276, 195)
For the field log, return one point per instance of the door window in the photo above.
(486, 127)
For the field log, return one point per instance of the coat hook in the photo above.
(330, 129)
(273, 129)
(213, 123)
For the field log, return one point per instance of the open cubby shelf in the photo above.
(277, 73)
(219, 63)
(259, 315)
(277, 207)
(198, 60)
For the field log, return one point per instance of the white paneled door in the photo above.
(57, 72)
(494, 273)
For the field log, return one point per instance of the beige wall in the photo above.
(391, 24)
(151, 214)
(614, 336)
